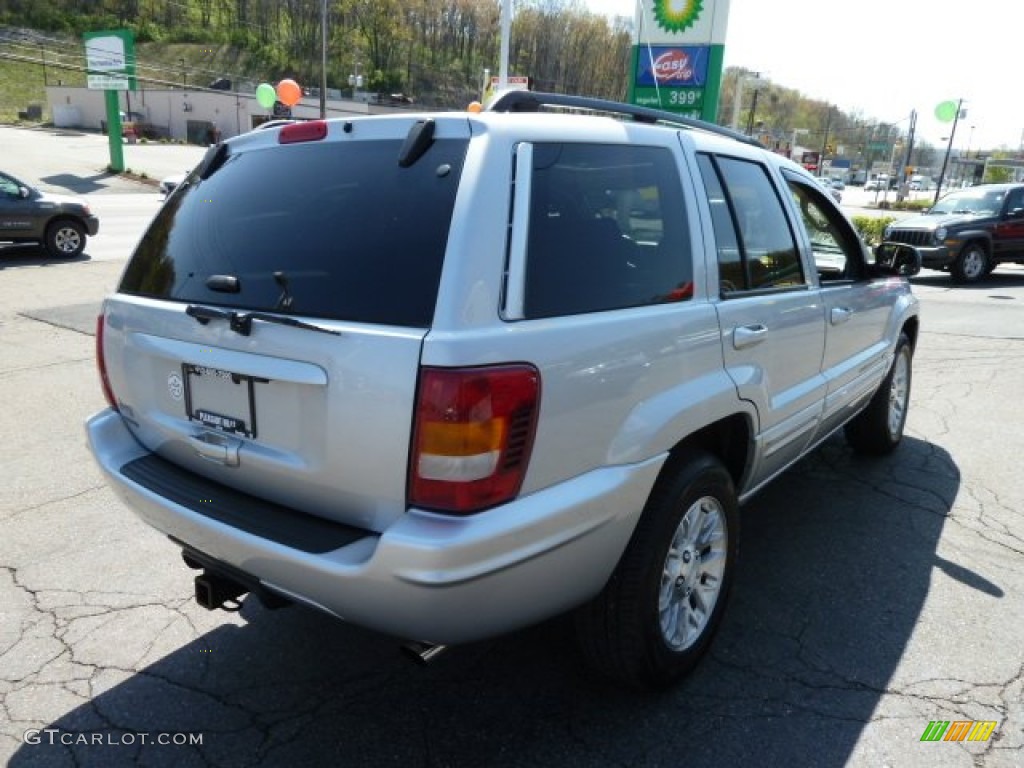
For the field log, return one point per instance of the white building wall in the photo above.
(170, 110)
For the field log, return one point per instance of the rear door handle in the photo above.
(840, 315)
(748, 335)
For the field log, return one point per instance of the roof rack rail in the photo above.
(533, 101)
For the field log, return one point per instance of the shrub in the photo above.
(870, 228)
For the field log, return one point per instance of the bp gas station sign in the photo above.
(677, 56)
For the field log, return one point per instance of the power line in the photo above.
(84, 69)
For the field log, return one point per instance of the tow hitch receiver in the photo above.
(214, 591)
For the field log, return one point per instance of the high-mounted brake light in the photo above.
(473, 436)
(101, 365)
(313, 130)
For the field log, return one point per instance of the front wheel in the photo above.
(971, 264)
(659, 611)
(65, 239)
(878, 429)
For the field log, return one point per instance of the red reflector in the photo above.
(101, 365)
(473, 436)
(313, 130)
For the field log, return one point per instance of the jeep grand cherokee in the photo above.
(446, 375)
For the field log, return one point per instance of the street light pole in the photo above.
(184, 76)
(945, 160)
(792, 144)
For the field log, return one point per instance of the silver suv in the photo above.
(448, 375)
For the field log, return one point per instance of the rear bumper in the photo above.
(427, 577)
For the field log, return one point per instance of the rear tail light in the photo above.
(101, 365)
(472, 436)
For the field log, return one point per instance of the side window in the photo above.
(607, 230)
(8, 187)
(1015, 203)
(837, 250)
(756, 249)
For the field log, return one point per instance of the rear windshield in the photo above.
(352, 235)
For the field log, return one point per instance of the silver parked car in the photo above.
(452, 374)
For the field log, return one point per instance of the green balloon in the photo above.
(266, 95)
(946, 111)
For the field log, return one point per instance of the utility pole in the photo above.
(506, 33)
(901, 177)
(323, 59)
(753, 111)
(824, 143)
(42, 58)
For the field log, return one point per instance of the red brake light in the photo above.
(313, 130)
(472, 436)
(101, 365)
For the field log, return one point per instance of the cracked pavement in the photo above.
(872, 597)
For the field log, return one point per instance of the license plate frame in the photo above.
(218, 409)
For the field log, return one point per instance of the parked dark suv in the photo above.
(968, 233)
(27, 215)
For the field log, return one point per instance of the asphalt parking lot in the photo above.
(873, 597)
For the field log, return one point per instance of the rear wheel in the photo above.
(878, 429)
(971, 264)
(65, 239)
(659, 611)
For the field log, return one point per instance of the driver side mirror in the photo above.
(23, 193)
(897, 259)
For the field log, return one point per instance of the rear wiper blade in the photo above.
(241, 322)
(206, 314)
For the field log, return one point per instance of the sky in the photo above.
(881, 59)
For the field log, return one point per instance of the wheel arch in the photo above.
(976, 237)
(911, 327)
(56, 219)
(729, 439)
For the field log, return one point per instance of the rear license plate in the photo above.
(220, 399)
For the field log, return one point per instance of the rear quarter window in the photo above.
(608, 230)
(357, 237)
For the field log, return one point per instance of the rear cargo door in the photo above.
(267, 331)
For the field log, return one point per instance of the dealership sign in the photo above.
(110, 59)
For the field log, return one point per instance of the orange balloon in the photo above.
(288, 92)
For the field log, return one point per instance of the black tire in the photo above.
(970, 264)
(65, 239)
(878, 429)
(621, 630)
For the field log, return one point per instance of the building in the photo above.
(195, 115)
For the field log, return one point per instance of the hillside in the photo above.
(436, 55)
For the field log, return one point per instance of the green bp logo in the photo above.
(677, 15)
